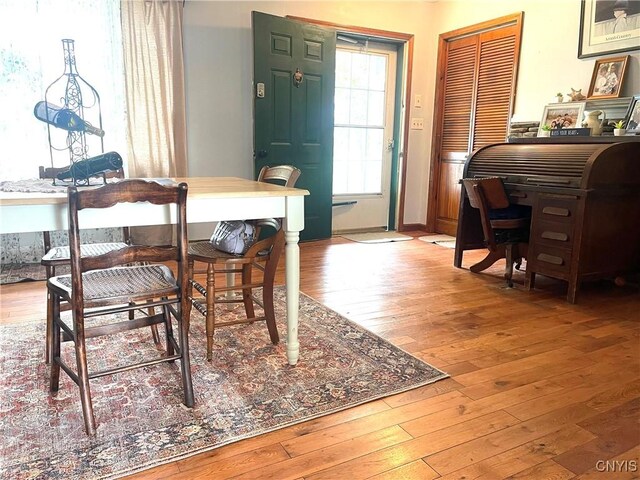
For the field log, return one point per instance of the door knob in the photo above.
(262, 153)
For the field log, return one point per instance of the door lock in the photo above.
(260, 90)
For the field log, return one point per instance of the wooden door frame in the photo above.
(398, 38)
(436, 134)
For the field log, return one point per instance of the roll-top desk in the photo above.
(585, 205)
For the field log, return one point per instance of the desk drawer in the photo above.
(556, 208)
(554, 234)
(554, 262)
(520, 197)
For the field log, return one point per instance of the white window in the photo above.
(31, 58)
(359, 122)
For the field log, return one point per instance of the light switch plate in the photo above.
(418, 101)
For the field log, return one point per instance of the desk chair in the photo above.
(60, 255)
(263, 255)
(505, 226)
(111, 283)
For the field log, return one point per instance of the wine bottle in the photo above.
(64, 118)
(91, 167)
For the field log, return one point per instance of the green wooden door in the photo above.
(294, 120)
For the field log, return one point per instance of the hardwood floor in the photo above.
(539, 388)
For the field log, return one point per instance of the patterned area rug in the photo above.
(23, 272)
(248, 389)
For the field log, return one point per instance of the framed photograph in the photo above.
(608, 27)
(608, 74)
(632, 118)
(562, 115)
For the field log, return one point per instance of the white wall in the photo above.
(218, 66)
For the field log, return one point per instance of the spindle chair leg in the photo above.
(211, 311)
(189, 292)
(185, 363)
(83, 382)
(168, 329)
(267, 300)
(247, 292)
(54, 378)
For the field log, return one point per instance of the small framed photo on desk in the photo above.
(632, 118)
(562, 115)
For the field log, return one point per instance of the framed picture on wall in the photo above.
(608, 27)
(607, 77)
(562, 115)
(632, 119)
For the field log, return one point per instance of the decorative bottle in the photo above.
(64, 118)
(91, 167)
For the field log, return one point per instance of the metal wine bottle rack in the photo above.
(72, 92)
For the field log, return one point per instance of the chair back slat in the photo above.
(287, 174)
(131, 254)
(129, 191)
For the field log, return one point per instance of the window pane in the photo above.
(375, 143)
(343, 68)
(359, 116)
(341, 115)
(358, 105)
(375, 111)
(31, 58)
(357, 144)
(377, 72)
(339, 177)
(359, 70)
(355, 178)
(340, 144)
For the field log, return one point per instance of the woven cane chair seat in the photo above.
(62, 253)
(124, 283)
(204, 251)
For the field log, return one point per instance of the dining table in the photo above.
(209, 199)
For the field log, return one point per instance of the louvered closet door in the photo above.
(456, 122)
(495, 86)
(476, 88)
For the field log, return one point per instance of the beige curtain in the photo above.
(155, 98)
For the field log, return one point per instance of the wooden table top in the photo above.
(199, 187)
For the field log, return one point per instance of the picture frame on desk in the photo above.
(607, 77)
(632, 118)
(608, 27)
(562, 115)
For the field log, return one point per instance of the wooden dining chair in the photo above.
(263, 255)
(505, 226)
(60, 255)
(129, 279)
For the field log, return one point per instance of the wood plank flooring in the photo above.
(539, 388)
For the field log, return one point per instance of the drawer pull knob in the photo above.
(557, 211)
(562, 237)
(545, 257)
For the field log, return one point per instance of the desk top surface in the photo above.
(199, 187)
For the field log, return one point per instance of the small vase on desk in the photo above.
(619, 132)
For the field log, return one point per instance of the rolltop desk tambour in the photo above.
(584, 195)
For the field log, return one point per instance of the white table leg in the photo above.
(292, 252)
(293, 223)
